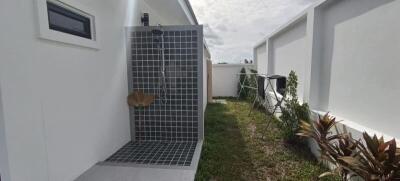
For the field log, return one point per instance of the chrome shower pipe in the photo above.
(162, 82)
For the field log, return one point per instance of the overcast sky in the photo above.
(233, 27)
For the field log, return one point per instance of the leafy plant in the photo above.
(293, 111)
(320, 131)
(372, 159)
(247, 93)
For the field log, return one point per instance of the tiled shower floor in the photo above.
(155, 153)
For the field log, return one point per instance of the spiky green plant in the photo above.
(372, 159)
(376, 160)
(331, 151)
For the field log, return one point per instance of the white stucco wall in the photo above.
(350, 55)
(64, 106)
(328, 16)
(206, 56)
(288, 53)
(260, 57)
(171, 12)
(4, 168)
(225, 79)
(364, 84)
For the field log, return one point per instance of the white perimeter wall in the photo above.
(364, 83)
(260, 57)
(225, 79)
(4, 169)
(206, 57)
(349, 51)
(287, 53)
(64, 106)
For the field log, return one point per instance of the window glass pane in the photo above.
(66, 22)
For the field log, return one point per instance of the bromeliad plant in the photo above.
(372, 159)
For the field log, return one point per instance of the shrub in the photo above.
(251, 81)
(372, 159)
(293, 111)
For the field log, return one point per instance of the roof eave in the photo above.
(193, 16)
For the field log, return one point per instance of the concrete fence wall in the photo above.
(346, 54)
(206, 59)
(225, 79)
(287, 52)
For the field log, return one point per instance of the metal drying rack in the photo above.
(262, 93)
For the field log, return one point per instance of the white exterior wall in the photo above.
(328, 16)
(4, 169)
(64, 106)
(206, 56)
(260, 57)
(364, 84)
(350, 54)
(287, 53)
(225, 79)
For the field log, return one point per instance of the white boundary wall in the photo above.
(260, 55)
(206, 57)
(287, 52)
(225, 79)
(346, 53)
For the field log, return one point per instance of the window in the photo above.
(68, 21)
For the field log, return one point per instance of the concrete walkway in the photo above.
(124, 173)
(104, 171)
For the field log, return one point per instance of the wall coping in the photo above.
(233, 65)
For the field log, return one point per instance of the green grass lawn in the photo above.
(239, 147)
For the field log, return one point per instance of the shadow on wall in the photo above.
(4, 169)
(290, 35)
(327, 16)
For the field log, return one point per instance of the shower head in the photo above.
(157, 32)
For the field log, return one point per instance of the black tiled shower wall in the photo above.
(178, 119)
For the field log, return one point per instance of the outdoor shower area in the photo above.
(166, 93)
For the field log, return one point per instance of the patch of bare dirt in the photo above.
(252, 128)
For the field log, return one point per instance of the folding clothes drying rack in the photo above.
(274, 91)
(263, 93)
(242, 83)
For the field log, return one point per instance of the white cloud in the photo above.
(221, 27)
(233, 27)
(212, 37)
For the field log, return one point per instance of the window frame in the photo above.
(47, 33)
(86, 21)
